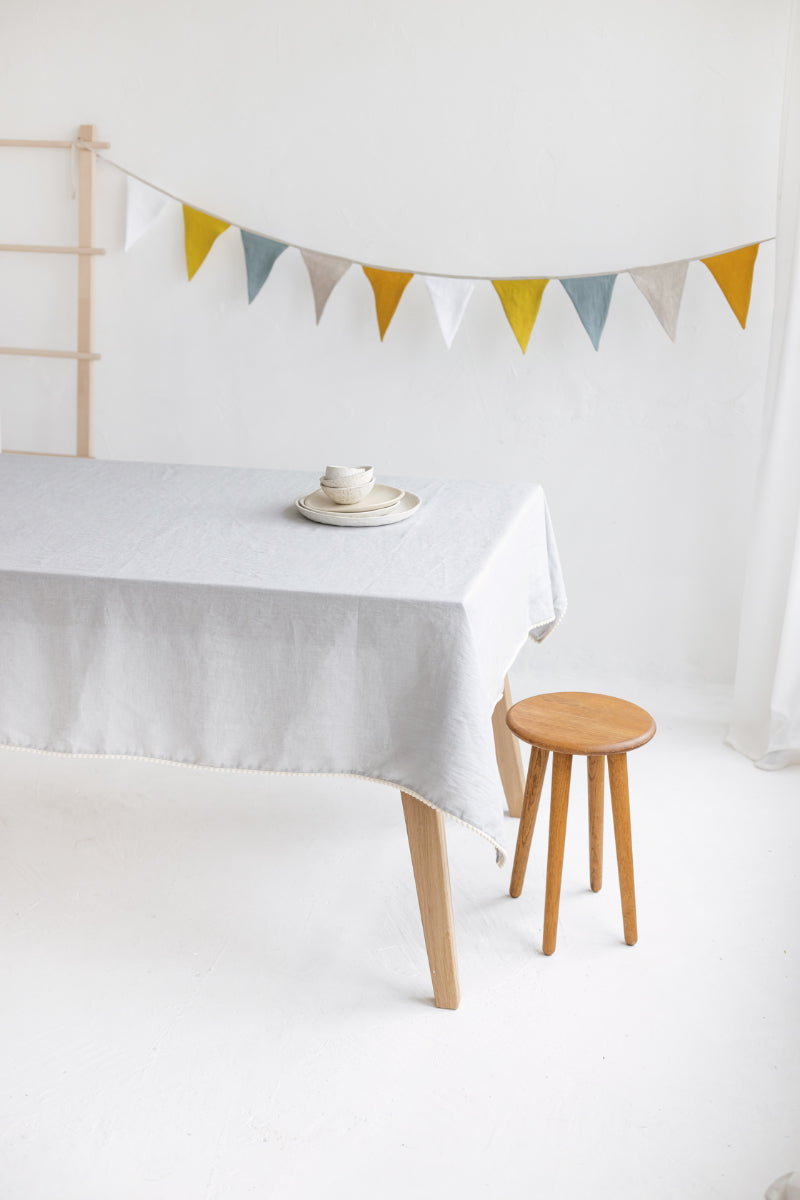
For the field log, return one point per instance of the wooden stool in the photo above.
(599, 727)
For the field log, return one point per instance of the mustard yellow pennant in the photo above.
(521, 300)
(734, 274)
(388, 287)
(200, 233)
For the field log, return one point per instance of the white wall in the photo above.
(511, 138)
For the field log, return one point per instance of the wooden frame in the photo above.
(84, 355)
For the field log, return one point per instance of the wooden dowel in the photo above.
(52, 249)
(40, 453)
(86, 162)
(51, 145)
(48, 353)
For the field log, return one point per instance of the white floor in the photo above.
(215, 986)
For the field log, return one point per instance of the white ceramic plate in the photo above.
(381, 496)
(398, 512)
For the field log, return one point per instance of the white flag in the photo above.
(450, 298)
(662, 287)
(144, 205)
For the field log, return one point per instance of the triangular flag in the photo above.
(144, 205)
(388, 287)
(734, 274)
(591, 296)
(260, 254)
(450, 298)
(521, 299)
(200, 231)
(324, 271)
(662, 288)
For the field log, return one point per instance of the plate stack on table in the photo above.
(350, 496)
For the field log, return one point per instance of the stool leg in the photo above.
(559, 800)
(596, 767)
(530, 807)
(620, 807)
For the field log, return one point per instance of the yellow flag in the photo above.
(734, 274)
(200, 231)
(521, 299)
(388, 287)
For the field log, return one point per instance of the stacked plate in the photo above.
(383, 505)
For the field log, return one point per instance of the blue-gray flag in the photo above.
(260, 254)
(591, 296)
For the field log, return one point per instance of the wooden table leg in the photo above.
(509, 758)
(426, 840)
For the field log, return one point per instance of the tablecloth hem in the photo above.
(501, 854)
(552, 623)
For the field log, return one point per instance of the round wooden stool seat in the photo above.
(581, 723)
(603, 729)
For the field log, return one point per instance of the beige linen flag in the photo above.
(450, 298)
(144, 204)
(324, 271)
(662, 288)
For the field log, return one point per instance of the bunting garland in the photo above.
(661, 285)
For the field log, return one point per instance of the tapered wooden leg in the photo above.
(559, 801)
(426, 840)
(509, 758)
(530, 807)
(596, 772)
(620, 807)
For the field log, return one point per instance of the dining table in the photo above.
(192, 614)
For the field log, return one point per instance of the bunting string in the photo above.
(662, 284)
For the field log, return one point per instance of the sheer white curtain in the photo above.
(766, 712)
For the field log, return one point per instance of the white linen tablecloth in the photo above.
(192, 614)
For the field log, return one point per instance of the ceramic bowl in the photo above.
(345, 475)
(359, 477)
(347, 495)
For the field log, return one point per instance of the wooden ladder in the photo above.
(86, 145)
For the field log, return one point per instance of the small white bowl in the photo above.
(348, 495)
(342, 473)
(358, 477)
